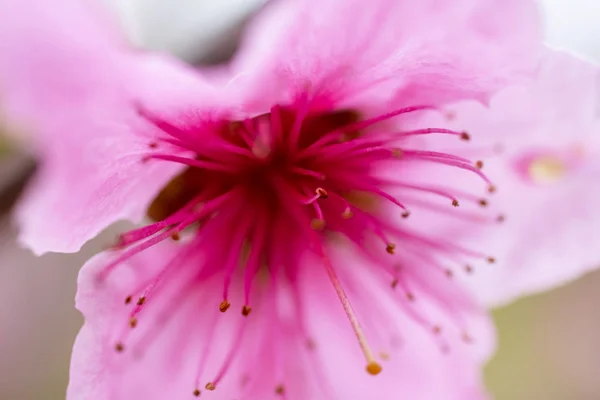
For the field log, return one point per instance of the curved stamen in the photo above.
(193, 163)
(334, 135)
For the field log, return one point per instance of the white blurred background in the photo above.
(549, 346)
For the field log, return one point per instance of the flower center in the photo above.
(262, 162)
(291, 180)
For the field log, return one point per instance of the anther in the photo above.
(317, 224)
(322, 193)
(468, 269)
(141, 300)
(373, 368)
(483, 202)
(224, 306)
(347, 214)
(119, 347)
(128, 299)
(196, 392)
(133, 322)
(405, 214)
(491, 260)
(465, 136)
(437, 329)
(398, 153)
(410, 296)
(501, 218)
(491, 189)
(394, 283)
(246, 311)
(280, 390)
(210, 386)
(175, 236)
(479, 164)
(153, 145)
(390, 248)
(455, 203)
(449, 273)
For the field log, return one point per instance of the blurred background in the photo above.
(549, 346)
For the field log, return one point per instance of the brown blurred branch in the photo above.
(15, 171)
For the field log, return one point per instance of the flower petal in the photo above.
(413, 363)
(551, 224)
(162, 355)
(341, 48)
(76, 98)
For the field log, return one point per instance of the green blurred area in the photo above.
(4, 146)
(548, 345)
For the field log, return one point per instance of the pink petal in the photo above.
(552, 226)
(75, 95)
(424, 49)
(166, 366)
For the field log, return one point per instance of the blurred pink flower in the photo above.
(296, 168)
(541, 142)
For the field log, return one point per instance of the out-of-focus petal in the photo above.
(541, 146)
(75, 98)
(431, 51)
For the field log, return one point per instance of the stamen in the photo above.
(427, 131)
(246, 310)
(239, 128)
(253, 262)
(357, 126)
(306, 172)
(347, 214)
(206, 350)
(280, 390)
(390, 247)
(422, 188)
(372, 367)
(317, 224)
(322, 193)
(237, 243)
(224, 306)
(193, 163)
(189, 220)
(276, 127)
(302, 111)
(235, 346)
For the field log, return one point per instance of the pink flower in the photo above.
(280, 192)
(541, 142)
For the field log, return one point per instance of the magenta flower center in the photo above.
(292, 178)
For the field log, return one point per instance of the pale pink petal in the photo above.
(431, 51)
(541, 146)
(414, 364)
(75, 96)
(166, 365)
